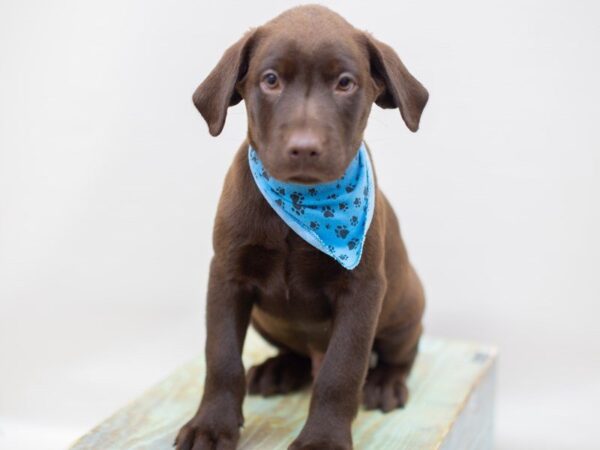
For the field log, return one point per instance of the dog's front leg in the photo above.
(338, 384)
(218, 419)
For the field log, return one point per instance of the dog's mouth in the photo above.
(309, 177)
(302, 173)
(303, 179)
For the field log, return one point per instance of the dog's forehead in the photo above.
(294, 50)
(308, 34)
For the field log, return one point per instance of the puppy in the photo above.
(308, 79)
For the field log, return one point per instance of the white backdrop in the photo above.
(109, 182)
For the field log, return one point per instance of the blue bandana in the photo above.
(333, 217)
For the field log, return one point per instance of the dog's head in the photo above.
(309, 79)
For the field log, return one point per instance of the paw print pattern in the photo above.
(341, 231)
(327, 211)
(334, 213)
(297, 200)
(297, 197)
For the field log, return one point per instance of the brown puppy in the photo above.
(308, 79)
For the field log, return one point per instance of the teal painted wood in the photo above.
(474, 426)
(450, 407)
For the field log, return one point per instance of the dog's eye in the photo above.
(345, 83)
(270, 80)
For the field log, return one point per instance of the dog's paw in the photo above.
(208, 431)
(286, 372)
(324, 433)
(323, 439)
(385, 388)
(319, 445)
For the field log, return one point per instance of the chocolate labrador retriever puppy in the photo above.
(308, 79)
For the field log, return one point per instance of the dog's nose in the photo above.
(303, 145)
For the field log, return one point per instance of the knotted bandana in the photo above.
(333, 217)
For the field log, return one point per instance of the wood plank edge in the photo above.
(490, 365)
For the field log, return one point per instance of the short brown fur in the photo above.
(325, 320)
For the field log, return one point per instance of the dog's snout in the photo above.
(303, 145)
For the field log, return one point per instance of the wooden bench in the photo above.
(450, 407)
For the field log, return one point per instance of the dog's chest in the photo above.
(292, 280)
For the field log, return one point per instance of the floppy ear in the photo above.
(400, 88)
(218, 91)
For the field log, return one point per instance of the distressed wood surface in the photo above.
(450, 407)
